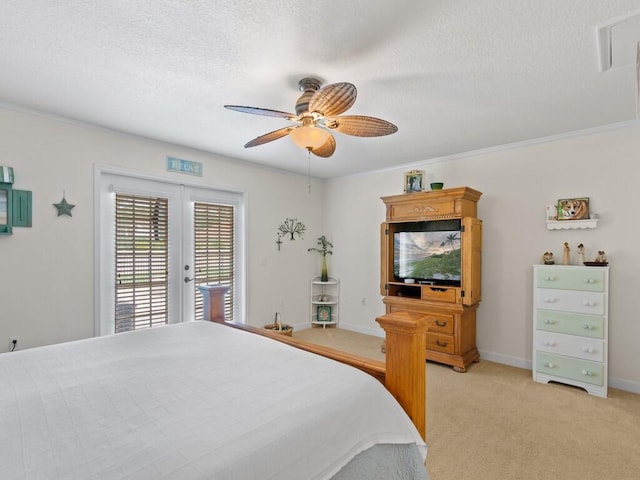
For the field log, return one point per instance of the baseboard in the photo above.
(301, 326)
(618, 383)
(626, 385)
(379, 332)
(375, 332)
(505, 359)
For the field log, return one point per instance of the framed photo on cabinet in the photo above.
(413, 181)
(324, 313)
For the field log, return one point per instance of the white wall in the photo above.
(46, 272)
(516, 183)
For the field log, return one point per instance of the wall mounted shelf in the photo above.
(572, 224)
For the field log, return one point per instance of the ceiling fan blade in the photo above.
(263, 111)
(361, 126)
(270, 137)
(327, 149)
(333, 99)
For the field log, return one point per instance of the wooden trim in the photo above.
(403, 373)
(372, 367)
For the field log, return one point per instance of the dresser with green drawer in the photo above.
(570, 326)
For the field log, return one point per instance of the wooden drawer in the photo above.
(440, 343)
(571, 368)
(440, 294)
(587, 280)
(578, 347)
(440, 323)
(570, 323)
(591, 303)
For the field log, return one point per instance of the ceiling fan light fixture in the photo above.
(320, 107)
(309, 137)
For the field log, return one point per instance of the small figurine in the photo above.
(565, 255)
(547, 258)
(580, 254)
(601, 258)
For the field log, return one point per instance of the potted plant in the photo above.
(324, 248)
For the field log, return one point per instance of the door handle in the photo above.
(187, 279)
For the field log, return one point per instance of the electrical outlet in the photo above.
(14, 343)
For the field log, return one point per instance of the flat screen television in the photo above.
(428, 252)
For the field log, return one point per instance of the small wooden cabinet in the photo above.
(570, 325)
(325, 301)
(450, 309)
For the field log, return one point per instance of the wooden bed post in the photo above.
(213, 302)
(406, 376)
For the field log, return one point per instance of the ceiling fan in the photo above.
(317, 114)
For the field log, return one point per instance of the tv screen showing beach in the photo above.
(427, 255)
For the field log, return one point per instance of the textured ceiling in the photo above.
(454, 76)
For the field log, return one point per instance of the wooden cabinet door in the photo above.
(471, 260)
(385, 257)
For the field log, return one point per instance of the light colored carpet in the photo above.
(493, 422)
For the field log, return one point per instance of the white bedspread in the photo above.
(189, 401)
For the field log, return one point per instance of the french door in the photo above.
(155, 243)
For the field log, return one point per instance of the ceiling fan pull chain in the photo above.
(309, 169)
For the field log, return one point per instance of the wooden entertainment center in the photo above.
(450, 310)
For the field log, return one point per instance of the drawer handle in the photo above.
(590, 280)
(550, 300)
(588, 373)
(549, 365)
(588, 327)
(549, 278)
(588, 350)
(549, 322)
(441, 324)
(441, 344)
(549, 343)
(590, 304)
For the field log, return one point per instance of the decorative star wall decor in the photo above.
(64, 207)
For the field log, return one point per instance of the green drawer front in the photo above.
(569, 367)
(570, 323)
(590, 279)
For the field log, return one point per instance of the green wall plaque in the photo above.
(21, 208)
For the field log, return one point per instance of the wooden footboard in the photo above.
(403, 373)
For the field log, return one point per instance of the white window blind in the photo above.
(214, 251)
(142, 261)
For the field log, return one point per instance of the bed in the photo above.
(198, 400)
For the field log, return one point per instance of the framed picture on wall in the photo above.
(413, 181)
(573, 208)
